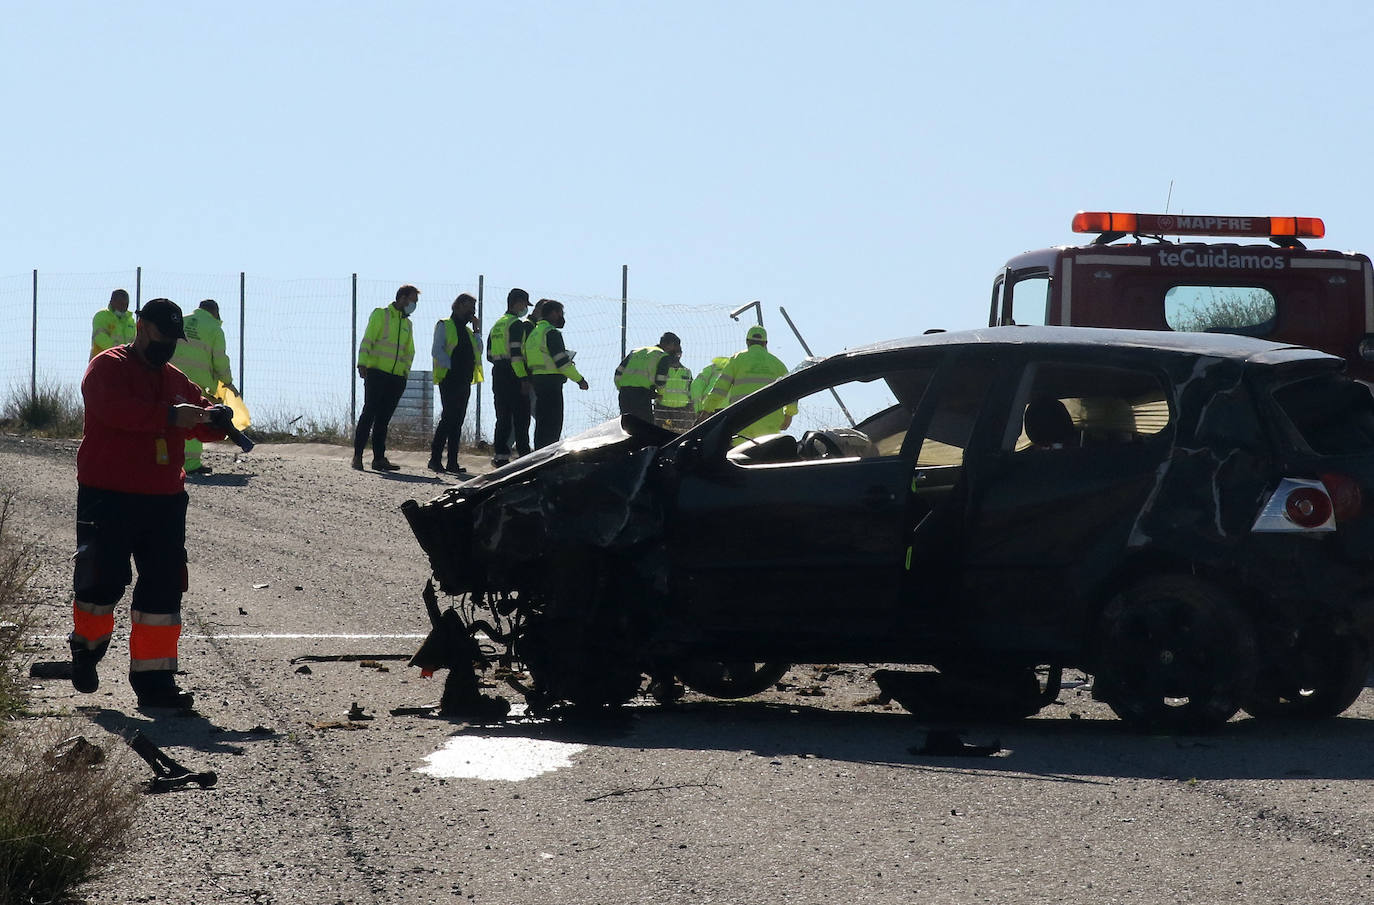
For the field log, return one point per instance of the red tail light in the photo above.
(1347, 499)
(1307, 507)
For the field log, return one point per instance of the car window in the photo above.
(956, 411)
(1334, 415)
(862, 418)
(1063, 406)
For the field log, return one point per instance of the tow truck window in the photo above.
(1029, 300)
(1220, 309)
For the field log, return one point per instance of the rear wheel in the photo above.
(730, 678)
(1174, 654)
(1319, 676)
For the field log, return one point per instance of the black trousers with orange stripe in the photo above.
(112, 529)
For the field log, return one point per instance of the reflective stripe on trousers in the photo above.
(92, 623)
(153, 641)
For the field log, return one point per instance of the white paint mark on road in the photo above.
(503, 758)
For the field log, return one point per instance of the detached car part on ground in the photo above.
(1181, 515)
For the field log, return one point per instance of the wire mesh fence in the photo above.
(293, 343)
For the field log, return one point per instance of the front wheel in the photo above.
(1174, 654)
(730, 679)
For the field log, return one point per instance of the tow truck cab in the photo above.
(1283, 291)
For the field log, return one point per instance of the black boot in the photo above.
(84, 660)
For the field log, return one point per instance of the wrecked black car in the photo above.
(1180, 515)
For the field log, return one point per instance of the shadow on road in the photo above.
(409, 478)
(190, 730)
(218, 479)
(1060, 750)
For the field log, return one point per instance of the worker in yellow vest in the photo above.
(112, 325)
(701, 384)
(747, 372)
(641, 373)
(510, 379)
(384, 358)
(673, 404)
(201, 357)
(457, 354)
(551, 365)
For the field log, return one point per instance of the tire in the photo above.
(732, 679)
(1318, 677)
(578, 648)
(1174, 655)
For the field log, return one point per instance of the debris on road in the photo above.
(169, 774)
(346, 658)
(75, 753)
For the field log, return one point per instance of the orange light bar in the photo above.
(1096, 222)
(1189, 225)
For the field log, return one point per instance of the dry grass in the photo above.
(16, 606)
(56, 828)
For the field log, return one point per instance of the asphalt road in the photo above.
(806, 795)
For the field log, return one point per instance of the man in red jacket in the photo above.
(131, 502)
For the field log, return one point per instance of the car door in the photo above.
(944, 445)
(800, 555)
(1052, 515)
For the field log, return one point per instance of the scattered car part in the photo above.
(169, 774)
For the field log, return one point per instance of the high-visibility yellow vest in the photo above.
(539, 360)
(111, 328)
(500, 348)
(639, 368)
(677, 392)
(745, 373)
(701, 384)
(388, 342)
(201, 355)
(451, 343)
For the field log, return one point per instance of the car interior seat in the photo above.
(1048, 424)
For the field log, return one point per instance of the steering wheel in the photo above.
(820, 445)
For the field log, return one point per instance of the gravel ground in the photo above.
(808, 794)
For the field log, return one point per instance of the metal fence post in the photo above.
(33, 344)
(477, 427)
(138, 289)
(352, 381)
(624, 305)
(242, 325)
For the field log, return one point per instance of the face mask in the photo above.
(409, 309)
(159, 352)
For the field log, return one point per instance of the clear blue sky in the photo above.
(867, 165)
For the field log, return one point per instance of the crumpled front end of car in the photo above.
(548, 567)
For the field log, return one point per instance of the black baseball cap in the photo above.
(165, 315)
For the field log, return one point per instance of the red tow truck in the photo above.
(1282, 291)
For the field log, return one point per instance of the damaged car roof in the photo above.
(1221, 345)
